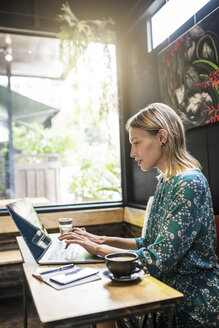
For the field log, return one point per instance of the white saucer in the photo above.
(132, 277)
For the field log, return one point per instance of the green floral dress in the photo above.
(179, 247)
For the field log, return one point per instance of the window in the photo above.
(64, 144)
(171, 16)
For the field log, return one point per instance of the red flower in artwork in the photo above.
(172, 51)
(213, 113)
(177, 46)
(213, 81)
(214, 78)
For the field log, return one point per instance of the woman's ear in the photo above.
(163, 134)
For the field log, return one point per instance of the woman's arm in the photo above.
(124, 243)
(98, 245)
(118, 242)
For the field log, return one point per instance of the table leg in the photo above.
(146, 320)
(171, 316)
(153, 319)
(150, 319)
(25, 300)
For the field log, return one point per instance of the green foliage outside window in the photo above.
(94, 178)
(34, 139)
(95, 181)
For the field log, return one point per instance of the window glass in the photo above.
(64, 142)
(171, 16)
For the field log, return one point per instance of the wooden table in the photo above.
(94, 302)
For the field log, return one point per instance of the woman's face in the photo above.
(146, 149)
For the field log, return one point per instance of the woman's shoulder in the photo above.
(189, 177)
(188, 174)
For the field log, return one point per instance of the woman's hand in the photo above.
(80, 238)
(82, 232)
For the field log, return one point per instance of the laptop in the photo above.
(45, 249)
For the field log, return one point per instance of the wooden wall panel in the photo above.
(134, 216)
(80, 218)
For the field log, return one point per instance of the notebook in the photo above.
(45, 249)
(77, 275)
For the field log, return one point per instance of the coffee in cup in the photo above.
(123, 264)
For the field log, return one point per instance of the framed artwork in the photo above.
(189, 73)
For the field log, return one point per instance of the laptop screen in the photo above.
(30, 226)
(24, 208)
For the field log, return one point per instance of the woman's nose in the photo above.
(132, 153)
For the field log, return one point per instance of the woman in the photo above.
(178, 246)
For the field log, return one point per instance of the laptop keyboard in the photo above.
(62, 253)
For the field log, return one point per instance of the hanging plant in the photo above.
(75, 35)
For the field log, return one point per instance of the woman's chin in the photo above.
(144, 168)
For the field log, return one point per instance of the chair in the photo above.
(147, 212)
(217, 230)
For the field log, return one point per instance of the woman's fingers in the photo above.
(77, 229)
(71, 238)
(64, 236)
(84, 233)
(69, 242)
(80, 239)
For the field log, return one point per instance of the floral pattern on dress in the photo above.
(179, 246)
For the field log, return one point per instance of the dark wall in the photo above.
(203, 144)
(141, 88)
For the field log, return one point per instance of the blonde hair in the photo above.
(159, 116)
